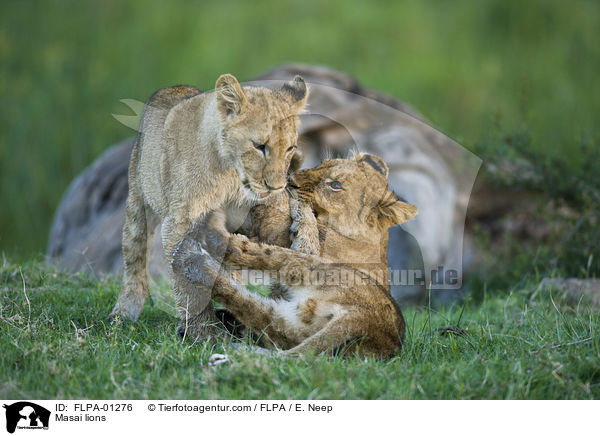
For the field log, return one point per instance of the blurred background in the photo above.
(503, 78)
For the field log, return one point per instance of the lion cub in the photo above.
(196, 152)
(341, 297)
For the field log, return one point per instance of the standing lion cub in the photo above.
(197, 152)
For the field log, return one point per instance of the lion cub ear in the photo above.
(296, 93)
(391, 211)
(231, 97)
(402, 212)
(377, 163)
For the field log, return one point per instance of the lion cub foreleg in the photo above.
(294, 268)
(193, 302)
(304, 231)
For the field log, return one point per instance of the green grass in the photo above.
(472, 68)
(520, 344)
(506, 78)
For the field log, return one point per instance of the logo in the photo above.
(26, 415)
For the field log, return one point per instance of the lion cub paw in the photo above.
(304, 231)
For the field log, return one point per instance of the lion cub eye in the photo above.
(260, 147)
(335, 185)
(291, 148)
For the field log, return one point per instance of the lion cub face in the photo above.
(260, 130)
(352, 195)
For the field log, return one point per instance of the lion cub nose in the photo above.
(271, 188)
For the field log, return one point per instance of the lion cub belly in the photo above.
(305, 313)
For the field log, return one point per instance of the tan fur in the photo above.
(197, 152)
(353, 226)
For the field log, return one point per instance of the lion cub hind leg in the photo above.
(334, 334)
(138, 232)
(253, 311)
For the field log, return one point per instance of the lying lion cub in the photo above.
(341, 297)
